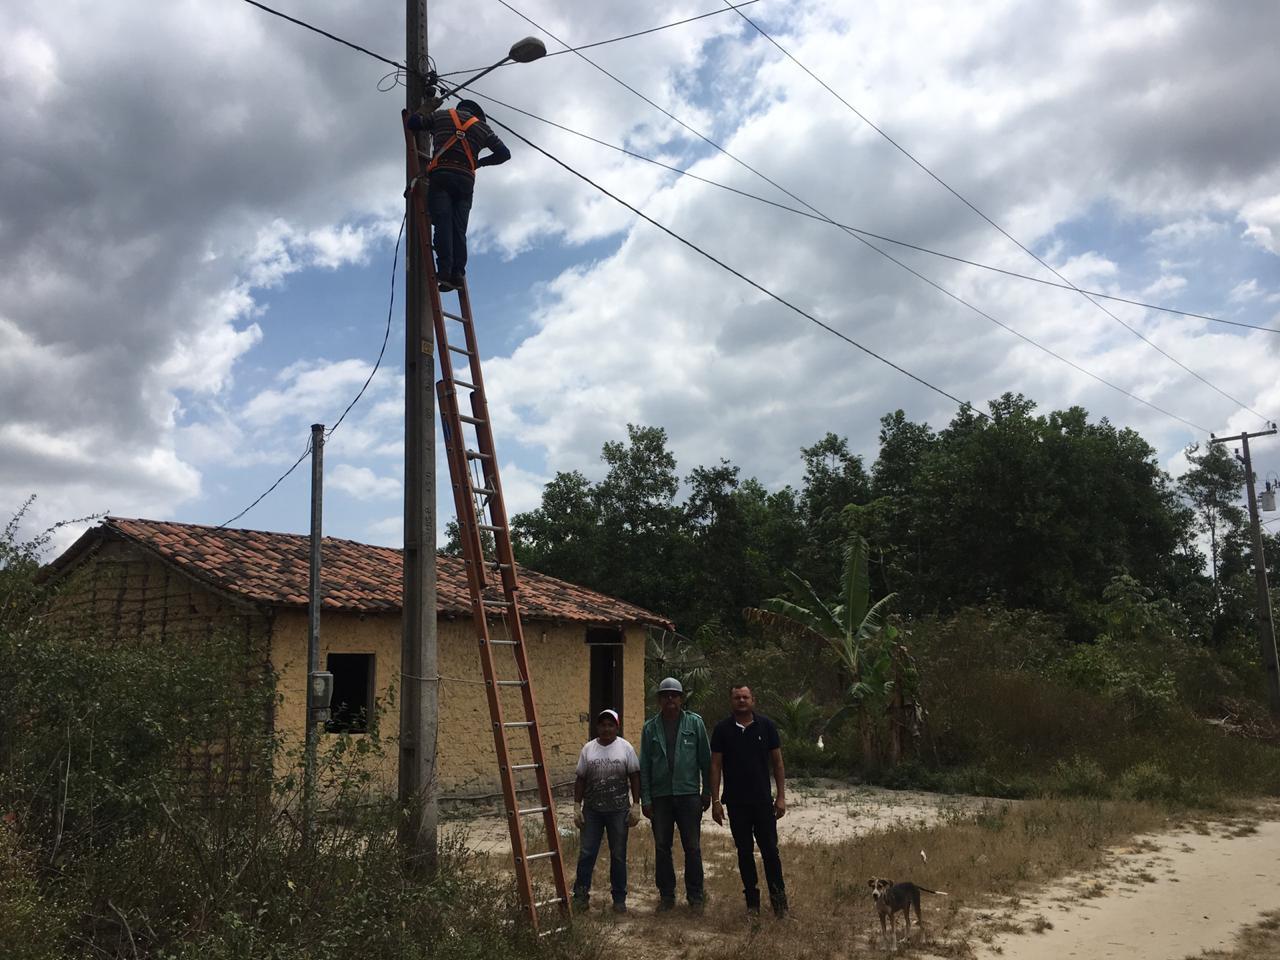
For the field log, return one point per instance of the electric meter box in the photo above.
(320, 688)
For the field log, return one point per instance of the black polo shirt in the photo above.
(745, 752)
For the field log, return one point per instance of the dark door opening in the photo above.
(606, 674)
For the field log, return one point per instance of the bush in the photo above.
(1147, 781)
(1078, 777)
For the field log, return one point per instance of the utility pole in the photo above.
(319, 684)
(1265, 625)
(419, 701)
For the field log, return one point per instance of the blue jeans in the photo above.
(684, 812)
(594, 827)
(449, 205)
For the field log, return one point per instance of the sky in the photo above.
(199, 204)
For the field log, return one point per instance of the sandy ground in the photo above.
(818, 811)
(1165, 897)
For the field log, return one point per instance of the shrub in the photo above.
(1077, 777)
(1147, 781)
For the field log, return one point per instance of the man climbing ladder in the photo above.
(458, 135)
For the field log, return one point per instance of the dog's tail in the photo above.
(941, 893)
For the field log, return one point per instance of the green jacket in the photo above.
(693, 759)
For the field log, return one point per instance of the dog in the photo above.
(890, 898)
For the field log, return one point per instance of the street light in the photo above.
(522, 51)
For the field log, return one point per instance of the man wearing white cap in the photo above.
(604, 792)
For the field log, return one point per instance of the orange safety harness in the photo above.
(459, 138)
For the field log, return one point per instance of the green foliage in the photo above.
(147, 812)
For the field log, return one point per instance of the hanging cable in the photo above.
(906, 153)
(680, 171)
(395, 259)
(861, 239)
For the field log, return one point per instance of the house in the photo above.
(155, 581)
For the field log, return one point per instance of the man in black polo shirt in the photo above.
(746, 751)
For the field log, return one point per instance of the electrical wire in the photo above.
(691, 245)
(965, 404)
(395, 259)
(955, 193)
(629, 36)
(386, 333)
(866, 233)
(861, 239)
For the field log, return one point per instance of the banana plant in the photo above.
(853, 627)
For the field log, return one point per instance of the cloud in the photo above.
(362, 483)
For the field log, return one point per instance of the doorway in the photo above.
(606, 687)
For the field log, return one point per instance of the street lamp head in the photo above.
(527, 50)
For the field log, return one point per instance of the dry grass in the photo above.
(1260, 941)
(984, 862)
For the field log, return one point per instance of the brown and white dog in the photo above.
(892, 898)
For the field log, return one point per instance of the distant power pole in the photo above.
(1265, 625)
(319, 683)
(419, 702)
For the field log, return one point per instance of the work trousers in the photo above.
(449, 196)
(753, 824)
(595, 825)
(684, 813)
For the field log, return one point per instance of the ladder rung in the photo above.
(499, 566)
(483, 491)
(462, 350)
(529, 810)
(502, 643)
(464, 384)
(511, 683)
(477, 455)
(547, 933)
(518, 723)
(496, 603)
(547, 903)
(468, 419)
(525, 766)
(490, 527)
(541, 856)
(454, 316)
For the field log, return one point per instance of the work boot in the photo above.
(581, 904)
(753, 904)
(779, 904)
(446, 285)
(666, 904)
(619, 906)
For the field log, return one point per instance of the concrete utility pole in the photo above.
(1265, 625)
(419, 701)
(318, 684)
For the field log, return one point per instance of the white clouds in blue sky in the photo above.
(198, 204)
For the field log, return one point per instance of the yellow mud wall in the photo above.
(467, 767)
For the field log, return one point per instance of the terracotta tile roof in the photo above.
(273, 568)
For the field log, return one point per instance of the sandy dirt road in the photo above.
(1165, 897)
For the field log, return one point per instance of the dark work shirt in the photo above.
(479, 135)
(747, 776)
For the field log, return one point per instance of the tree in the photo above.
(834, 478)
(853, 628)
(1212, 489)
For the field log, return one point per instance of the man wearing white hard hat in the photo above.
(604, 794)
(675, 790)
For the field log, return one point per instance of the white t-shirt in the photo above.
(605, 770)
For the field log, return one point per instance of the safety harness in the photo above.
(459, 138)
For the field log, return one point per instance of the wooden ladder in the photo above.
(490, 567)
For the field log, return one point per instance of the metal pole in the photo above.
(313, 633)
(1265, 626)
(418, 699)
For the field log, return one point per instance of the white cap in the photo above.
(608, 713)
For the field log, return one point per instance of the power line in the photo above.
(906, 153)
(820, 215)
(861, 239)
(737, 273)
(395, 259)
(867, 233)
(629, 36)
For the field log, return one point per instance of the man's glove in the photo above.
(578, 819)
